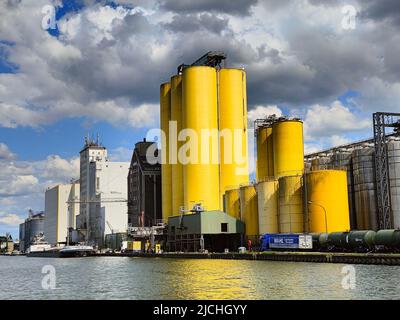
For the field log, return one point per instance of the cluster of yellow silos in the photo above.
(210, 106)
(285, 198)
(291, 200)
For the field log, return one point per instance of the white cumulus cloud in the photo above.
(11, 219)
(336, 119)
(260, 112)
(5, 152)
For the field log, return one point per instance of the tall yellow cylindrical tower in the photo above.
(176, 167)
(166, 182)
(234, 167)
(249, 210)
(267, 192)
(200, 117)
(265, 158)
(262, 162)
(232, 203)
(288, 148)
(328, 204)
(291, 208)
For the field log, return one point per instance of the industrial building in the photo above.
(30, 229)
(103, 194)
(290, 198)
(91, 152)
(60, 212)
(144, 188)
(352, 187)
(284, 199)
(213, 231)
(203, 96)
(373, 174)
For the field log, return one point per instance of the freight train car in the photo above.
(354, 241)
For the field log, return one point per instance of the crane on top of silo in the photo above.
(211, 59)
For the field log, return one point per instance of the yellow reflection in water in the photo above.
(210, 279)
(226, 279)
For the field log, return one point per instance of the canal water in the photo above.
(158, 278)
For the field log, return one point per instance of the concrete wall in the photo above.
(108, 183)
(73, 207)
(51, 215)
(206, 223)
(59, 215)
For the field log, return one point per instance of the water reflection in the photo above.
(141, 278)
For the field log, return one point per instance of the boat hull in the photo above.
(60, 254)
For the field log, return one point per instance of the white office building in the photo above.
(103, 194)
(60, 212)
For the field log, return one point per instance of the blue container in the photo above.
(286, 241)
(265, 242)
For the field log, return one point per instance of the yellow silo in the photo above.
(166, 182)
(328, 204)
(267, 192)
(234, 167)
(176, 166)
(288, 149)
(270, 152)
(200, 116)
(291, 212)
(232, 204)
(262, 153)
(249, 210)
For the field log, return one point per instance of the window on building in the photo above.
(97, 183)
(224, 227)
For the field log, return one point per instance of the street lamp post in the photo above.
(323, 208)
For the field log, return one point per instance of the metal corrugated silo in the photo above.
(291, 206)
(268, 195)
(364, 187)
(249, 210)
(232, 204)
(394, 178)
(342, 159)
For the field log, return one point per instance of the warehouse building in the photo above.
(144, 188)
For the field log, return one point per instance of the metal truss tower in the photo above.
(381, 121)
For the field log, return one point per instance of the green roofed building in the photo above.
(214, 231)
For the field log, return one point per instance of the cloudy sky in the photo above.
(99, 68)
